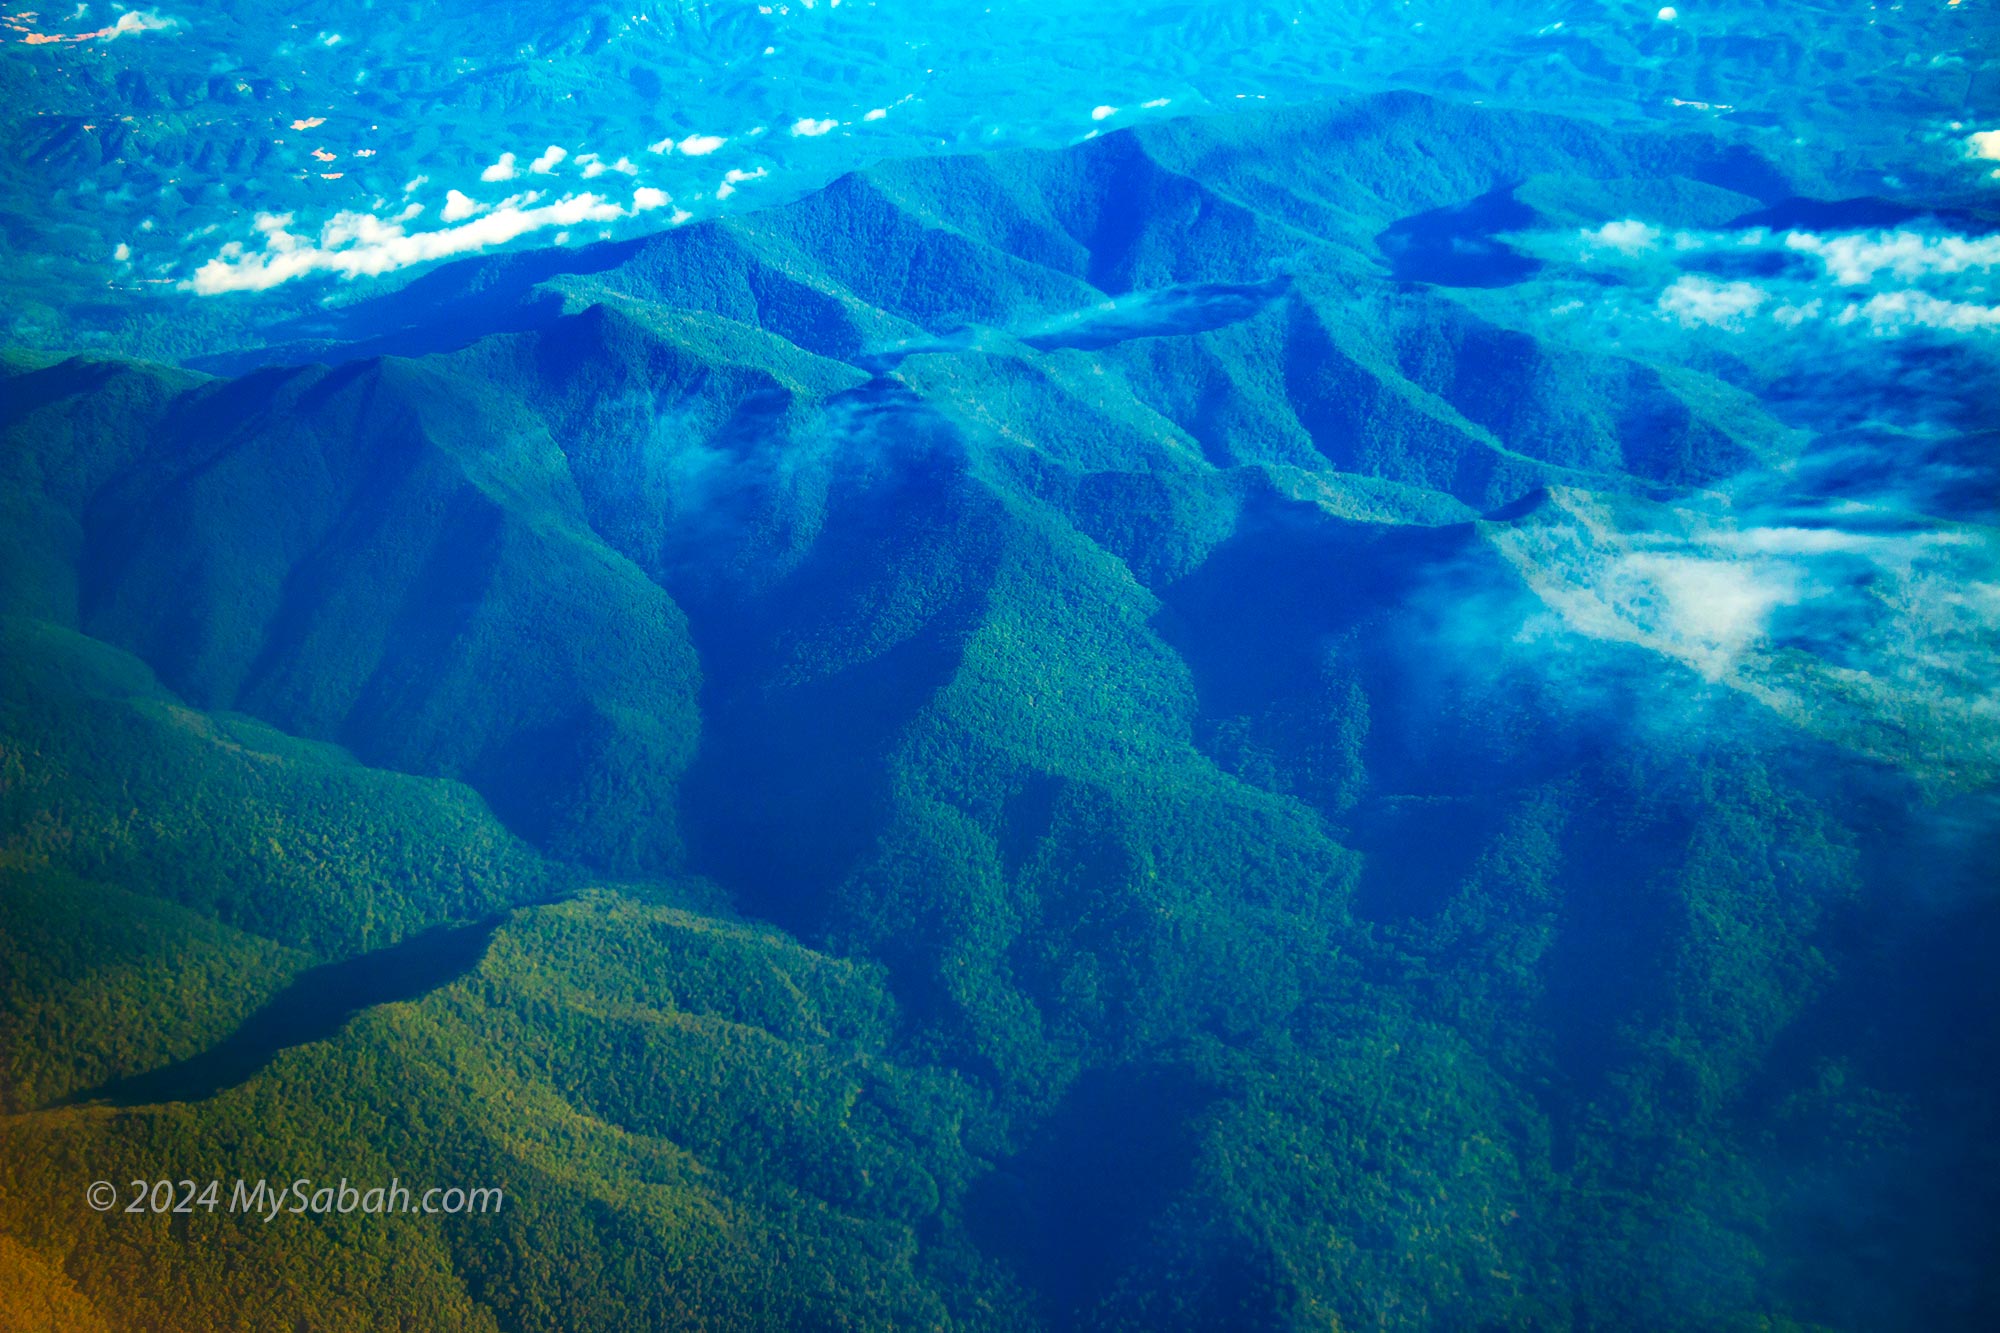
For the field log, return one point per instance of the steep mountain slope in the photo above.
(1214, 694)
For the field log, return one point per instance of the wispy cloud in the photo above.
(1873, 627)
(1856, 259)
(1628, 236)
(1697, 300)
(594, 166)
(1883, 282)
(1904, 311)
(131, 22)
(694, 145)
(355, 245)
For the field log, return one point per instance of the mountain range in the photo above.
(1246, 724)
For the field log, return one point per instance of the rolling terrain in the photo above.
(1147, 735)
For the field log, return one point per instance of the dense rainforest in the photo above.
(1131, 737)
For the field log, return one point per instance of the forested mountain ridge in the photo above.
(1214, 680)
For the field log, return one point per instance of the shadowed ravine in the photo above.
(314, 1007)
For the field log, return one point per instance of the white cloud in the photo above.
(133, 20)
(1897, 312)
(694, 145)
(1629, 236)
(808, 128)
(1856, 259)
(1984, 144)
(1876, 636)
(354, 245)
(1155, 104)
(549, 160)
(1882, 282)
(1668, 14)
(1792, 316)
(1684, 594)
(882, 112)
(1712, 610)
(735, 177)
(415, 183)
(122, 253)
(503, 170)
(594, 166)
(1696, 300)
(458, 207)
(1103, 112)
